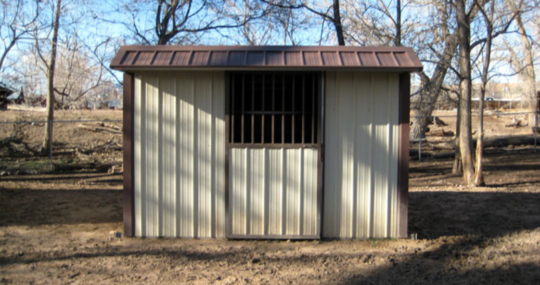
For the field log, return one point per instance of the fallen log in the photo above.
(490, 142)
(80, 166)
(515, 124)
(116, 169)
(99, 129)
(506, 141)
(441, 133)
(444, 145)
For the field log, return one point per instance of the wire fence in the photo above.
(508, 129)
(81, 143)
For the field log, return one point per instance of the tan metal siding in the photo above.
(218, 154)
(167, 86)
(238, 191)
(151, 124)
(186, 159)
(179, 154)
(138, 141)
(361, 155)
(309, 193)
(273, 192)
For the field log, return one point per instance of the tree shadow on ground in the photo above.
(466, 230)
(436, 214)
(69, 206)
(62, 176)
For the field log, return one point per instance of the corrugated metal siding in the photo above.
(361, 152)
(263, 57)
(273, 192)
(179, 159)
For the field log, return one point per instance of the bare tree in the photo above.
(488, 16)
(178, 21)
(329, 12)
(464, 20)
(77, 76)
(259, 31)
(17, 22)
(526, 67)
(465, 72)
(442, 50)
(47, 141)
(380, 22)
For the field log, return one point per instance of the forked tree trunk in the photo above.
(431, 88)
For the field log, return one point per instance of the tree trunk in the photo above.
(431, 87)
(529, 74)
(478, 176)
(337, 24)
(47, 141)
(457, 166)
(464, 35)
(488, 19)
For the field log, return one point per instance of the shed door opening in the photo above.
(273, 154)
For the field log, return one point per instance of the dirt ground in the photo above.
(55, 228)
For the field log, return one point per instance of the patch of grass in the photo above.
(32, 165)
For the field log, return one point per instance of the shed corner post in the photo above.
(403, 155)
(128, 148)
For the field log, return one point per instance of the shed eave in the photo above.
(267, 68)
(313, 58)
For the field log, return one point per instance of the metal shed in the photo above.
(266, 142)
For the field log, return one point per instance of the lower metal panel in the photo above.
(273, 193)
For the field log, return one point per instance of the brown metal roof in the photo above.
(267, 57)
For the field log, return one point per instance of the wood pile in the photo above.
(101, 127)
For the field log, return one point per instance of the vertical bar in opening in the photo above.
(313, 110)
(263, 110)
(253, 109)
(231, 137)
(303, 108)
(293, 107)
(243, 105)
(283, 107)
(273, 107)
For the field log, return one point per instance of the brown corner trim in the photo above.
(128, 194)
(321, 103)
(228, 213)
(403, 154)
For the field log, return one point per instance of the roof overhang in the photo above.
(312, 58)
